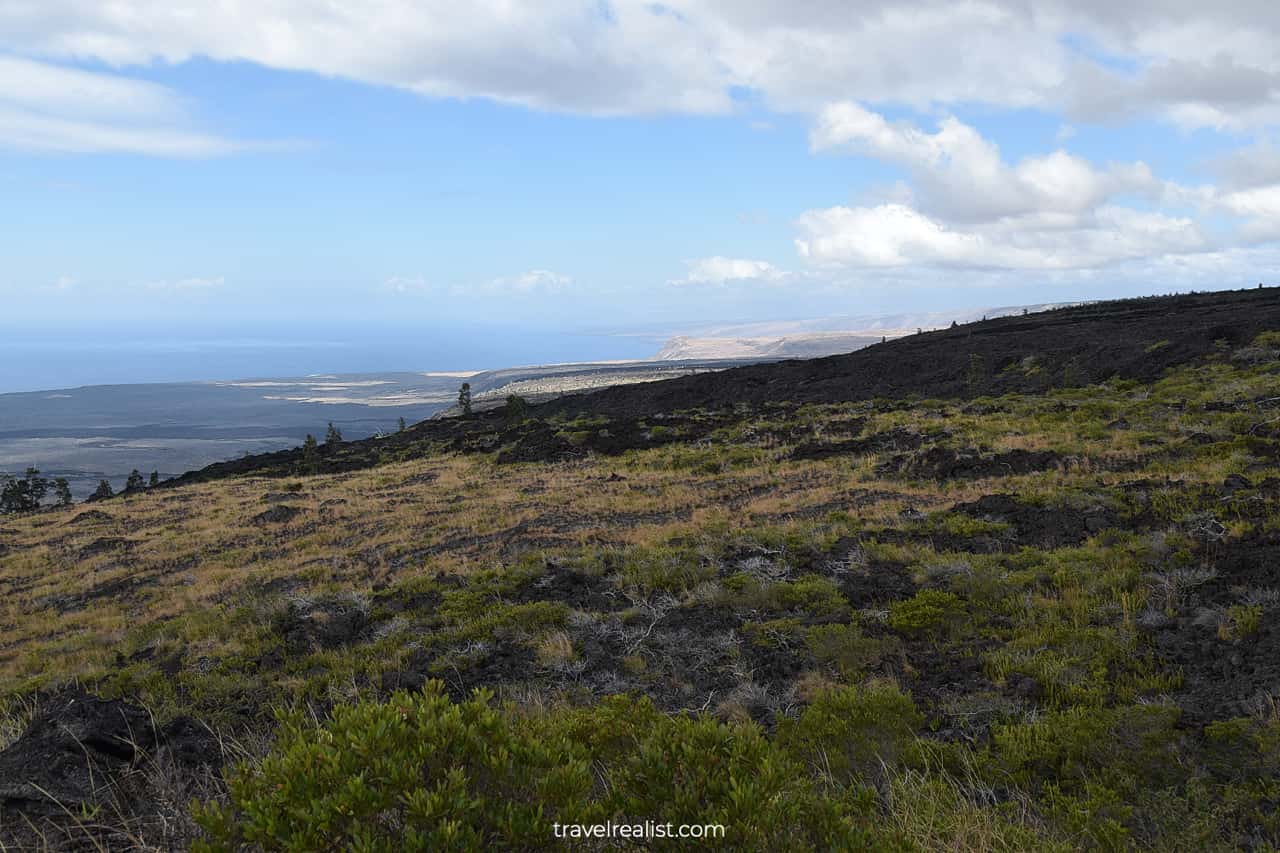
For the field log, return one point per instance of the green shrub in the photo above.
(1127, 747)
(846, 648)
(1243, 749)
(812, 595)
(929, 612)
(416, 773)
(854, 735)
(664, 569)
(698, 770)
(422, 773)
(1242, 621)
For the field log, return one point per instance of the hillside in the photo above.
(1077, 345)
(1005, 586)
(98, 432)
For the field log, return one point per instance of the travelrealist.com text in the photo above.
(645, 830)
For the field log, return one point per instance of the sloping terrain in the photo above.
(105, 431)
(1040, 619)
(1079, 345)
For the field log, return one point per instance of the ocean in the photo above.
(54, 360)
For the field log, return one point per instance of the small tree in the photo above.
(38, 485)
(135, 481)
(104, 490)
(464, 399)
(310, 454)
(402, 425)
(12, 494)
(155, 479)
(62, 491)
(517, 409)
(23, 494)
(333, 435)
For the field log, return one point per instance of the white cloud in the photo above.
(588, 57)
(533, 281)
(1197, 63)
(961, 175)
(1256, 202)
(968, 207)
(1260, 206)
(718, 270)
(51, 108)
(894, 235)
(1254, 165)
(1217, 91)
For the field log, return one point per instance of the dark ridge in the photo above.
(1130, 339)
(1080, 345)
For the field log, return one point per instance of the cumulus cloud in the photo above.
(718, 270)
(1253, 165)
(1219, 92)
(1260, 207)
(971, 208)
(1198, 63)
(559, 54)
(51, 108)
(895, 235)
(961, 175)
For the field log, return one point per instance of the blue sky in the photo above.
(279, 169)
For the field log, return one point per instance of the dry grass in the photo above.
(76, 582)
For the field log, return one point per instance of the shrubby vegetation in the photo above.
(419, 772)
(29, 492)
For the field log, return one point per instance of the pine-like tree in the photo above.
(517, 410)
(464, 399)
(38, 486)
(62, 491)
(310, 455)
(104, 490)
(333, 435)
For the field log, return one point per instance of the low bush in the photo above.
(420, 772)
(930, 612)
(856, 735)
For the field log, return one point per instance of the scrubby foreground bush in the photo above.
(851, 772)
(422, 773)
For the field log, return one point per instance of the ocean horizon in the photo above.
(56, 362)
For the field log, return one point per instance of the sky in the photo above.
(281, 170)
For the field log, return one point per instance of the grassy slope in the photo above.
(1042, 574)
